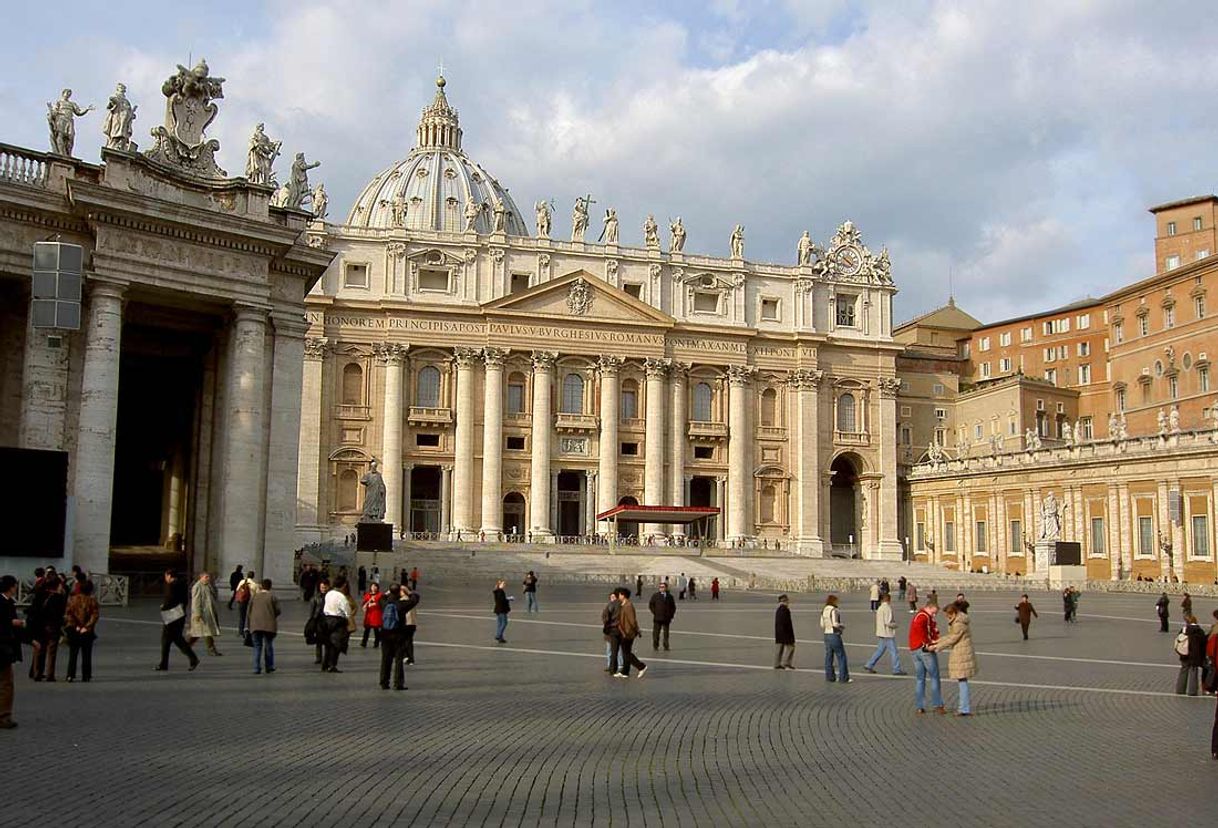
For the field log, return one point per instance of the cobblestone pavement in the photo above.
(1078, 725)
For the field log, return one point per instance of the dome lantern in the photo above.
(439, 125)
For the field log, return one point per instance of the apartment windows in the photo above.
(1083, 321)
(1171, 262)
(1201, 254)
(941, 436)
(1199, 307)
(907, 411)
(1118, 332)
(1144, 325)
(1169, 316)
(1171, 228)
(940, 413)
(1120, 400)
(1004, 339)
(983, 344)
(985, 369)
(1051, 375)
(964, 349)
(1050, 354)
(1061, 408)
(1197, 223)
(1084, 349)
(1087, 427)
(1084, 375)
(1063, 351)
(937, 389)
(1173, 387)
(1203, 378)
(1004, 365)
(978, 432)
(906, 436)
(1025, 334)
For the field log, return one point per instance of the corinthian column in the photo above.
(308, 476)
(653, 459)
(282, 445)
(889, 547)
(739, 452)
(606, 478)
(543, 428)
(492, 443)
(463, 463)
(94, 485)
(393, 356)
(676, 457)
(805, 383)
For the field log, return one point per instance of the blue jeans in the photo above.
(531, 598)
(835, 647)
(926, 664)
(500, 625)
(963, 705)
(881, 645)
(264, 640)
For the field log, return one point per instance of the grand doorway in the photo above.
(702, 493)
(627, 528)
(571, 489)
(843, 507)
(425, 500)
(513, 515)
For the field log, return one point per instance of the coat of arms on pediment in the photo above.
(579, 298)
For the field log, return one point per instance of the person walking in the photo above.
(873, 595)
(530, 592)
(784, 635)
(901, 584)
(414, 578)
(1024, 613)
(234, 580)
(1190, 647)
(885, 635)
(663, 610)
(372, 604)
(623, 641)
(503, 606)
(923, 632)
(79, 625)
(204, 616)
(308, 582)
(682, 585)
(693, 589)
(714, 589)
(638, 584)
(831, 626)
(337, 615)
(609, 628)
(1163, 606)
(264, 624)
(314, 631)
(245, 591)
(173, 621)
(10, 647)
(912, 594)
(49, 628)
(962, 663)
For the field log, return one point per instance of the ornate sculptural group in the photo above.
(117, 124)
(260, 159)
(61, 118)
(189, 109)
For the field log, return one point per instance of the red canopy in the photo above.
(659, 514)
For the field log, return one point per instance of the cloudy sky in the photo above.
(1014, 146)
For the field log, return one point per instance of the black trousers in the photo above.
(391, 658)
(1024, 627)
(81, 645)
(1163, 623)
(623, 654)
(172, 634)
(408, 642)
(658, 627)
(335, 627)
(376, 636)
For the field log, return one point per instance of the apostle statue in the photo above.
(676, 238)
(321, 201)
(397, 211)
(651, 233)
(543, 219)
(472, 210)
(374, 495)
(261, 157)
(579, 217)
(805, 248)
(499, 210)
(298, 183)
(117, 125)
(1067, 433)
(1050, 518)
(61, 117)
(737, 242)
(1078, 434)
(609, 231)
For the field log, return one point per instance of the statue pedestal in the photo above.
(1044, 556)
(1061, 577)
(374, 537)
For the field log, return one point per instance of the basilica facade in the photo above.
(514, 386)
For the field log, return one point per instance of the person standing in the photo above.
(245, 591)
(962, 664)
(1162, 606)
(391, 635)
(638, 584)
(337, 613)
(627, 632)
(316, 623)
(234, 580)
(10, 647)
(873, 595)
(682, 585)
(308, 582)
(609, 628)
(1190, 647)
(173, 621)
(80, 623)
(1024, 613)
(714, 589)
(361, 579)
(408, 604)
(901, 584)
(50, 628)
(923, 632)
(663, 610)
(831, 626)
(503, 606)
(204, 617)
(530, 592)
(1186, 605)
(885, 634)
(264, 624)
(693, 589)
(414, 578)
(784, 635)
(912, 594)
(373, 613)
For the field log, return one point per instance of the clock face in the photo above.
(849, 259)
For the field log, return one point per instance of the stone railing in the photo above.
(429, 416)
(353, 412)
(109, 590)
(1153, 588)
(698, 428)
(22, 166)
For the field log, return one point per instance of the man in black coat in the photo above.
(234, 581)
(1191, 664)
(175, 597)
(663, 610)
(502, 608)
(784, 636)
(10, 648)
(1162, 606)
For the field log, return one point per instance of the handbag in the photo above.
(175, 613)
(248, 640)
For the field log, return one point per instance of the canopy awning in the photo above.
(658, 514)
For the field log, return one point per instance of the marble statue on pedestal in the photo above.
(1067, 433)
(117, 124)
(472, 210)
(651, 233)
(61, 118)
(736, 242)
(805, 249)
(499, 211)
(321, 201)
(260, 159)
(543, 219)
(676, 239)
(298, 182)
(579, 217)
(397, 211)
(189, 110)
(1050, 518)
(610, 230)
(374, 495)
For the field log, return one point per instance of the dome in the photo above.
(430, 188)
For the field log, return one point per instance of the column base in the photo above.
(309, 533)
(889, 550)
(808, 547)
(491, 534)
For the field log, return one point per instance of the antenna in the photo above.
(951, 293)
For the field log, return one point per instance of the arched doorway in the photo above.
(843, 507)
(627, 528)
(513, 515)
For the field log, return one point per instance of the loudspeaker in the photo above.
(374, 537)
(1068, 553)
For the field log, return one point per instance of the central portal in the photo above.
(571, 488)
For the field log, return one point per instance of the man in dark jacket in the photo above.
(609, 626)
(314, 625)
(174, 603)
(502, 607)
(1162, 606)
(1192, 661)
(49, 628)
(784, 636)
(10, 648)
(663, 610)
(234, 581)
(393, 635)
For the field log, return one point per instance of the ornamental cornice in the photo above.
(58, 221)
(185, 233)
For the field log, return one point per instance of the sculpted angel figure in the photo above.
(676, 239)
(117, 125)
(61, 117)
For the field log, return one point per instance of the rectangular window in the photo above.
(1144, 325)
(941, 436)
(1061, 408)
(949, 536)
(1171, 228)
(1047, 328)
(1084, 375)
(940, 413)
(633, 289)
(1050, 354)
(1016, 537)
(427, 440)
(985, 369)
(1118, 333)
(769, 310)
(906, 411)
(705, 302)
(520, 282)
(1171, 262)
(1088, 428)
(1051, 375)
(1004, 365)
(920, 536)
(1201, 536)
(964, 349)
(704, 452)
(1199, 307)
(433, 280)
(1012, 427)
(845, 311)
(977, 431)
(1084, 321)
(980, 548)
(1004, 339)
(1173, 387)
(630, 404)
(984, 344)
(515, 443)
(1169, 317)
(906, 436)
(1084, 349)
(630, 449)
(1120, 400)
(355, 276)
(1146, 537)
(1203, 378)
(1025, 334)
(515, 399)
(1201, 254)
(1040, 405)
(937, 389)
(1063, 351)
(1099, 547)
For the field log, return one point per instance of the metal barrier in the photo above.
(110, 590)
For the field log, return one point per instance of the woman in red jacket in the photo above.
(372, 615)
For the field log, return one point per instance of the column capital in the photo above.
(390, 353)
(656, 367)
(544, 360)
(447, 468)
(680, 371)
(466, 357)
(102, 287)
(315, 348)
(805, 378)
(889, 386)
(739, 376)
(493, 357)
(609, 365)
(250, 313)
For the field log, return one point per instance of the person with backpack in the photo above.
(245, 590)
(234, 580)
(1190, 647)
(399, 604)
(1163, 607)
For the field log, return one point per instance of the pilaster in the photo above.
(542, 434)
(463, 462)
(492, 443)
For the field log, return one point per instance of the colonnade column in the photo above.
(393, 356)
(308, 477)
(463, 461)
(241, 467)
(805, 384)
(282, 446)
(653, 459)
(721, 501)
(492, 443)
(446, 503)
(606, 489)
(739, 459)
(539, 471)
(677, 439)
(590, 502)
(94, 482)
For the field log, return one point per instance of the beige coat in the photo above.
(963, 662)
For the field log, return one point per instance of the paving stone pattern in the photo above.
(534, 733)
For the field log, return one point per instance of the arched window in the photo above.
(353, 384)
(630, 399)
(572, 394)
(769, 500)
(845, 414)
(702, 402)
(769, 402)
(348, 490)
(428, 394)
(515, 393)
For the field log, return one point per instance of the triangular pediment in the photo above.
(580, 297)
